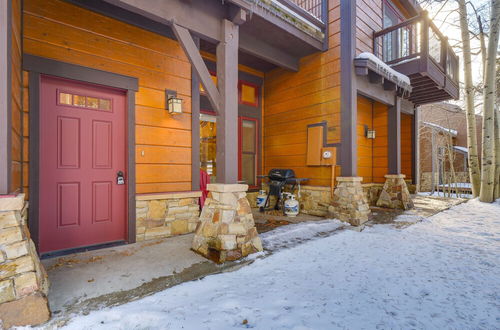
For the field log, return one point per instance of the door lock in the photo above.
(120, 178)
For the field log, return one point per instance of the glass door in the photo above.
(248, 145)
(208, 145)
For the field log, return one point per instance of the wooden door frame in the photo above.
(37, 66)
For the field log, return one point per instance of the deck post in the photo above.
(227, 118)
(5, 96)
(394, 137)
(415, 147)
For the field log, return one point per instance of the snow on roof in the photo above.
(461, 149)
(441, 128)
(381, 64)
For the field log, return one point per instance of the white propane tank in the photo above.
(291, 206)
(261, 198)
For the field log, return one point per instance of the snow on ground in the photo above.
(445, 194)
(441, 273)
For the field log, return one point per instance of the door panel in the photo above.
(82, 147)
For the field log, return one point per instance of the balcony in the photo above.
(419, 50)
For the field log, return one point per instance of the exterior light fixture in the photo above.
(369, 133)
(174, 104)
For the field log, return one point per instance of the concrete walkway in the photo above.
(111, 276)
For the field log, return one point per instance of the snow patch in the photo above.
(441, 128)
(382, 65)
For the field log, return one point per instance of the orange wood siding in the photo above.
(61, 31)
(380, 143)
(365, 145)
(16, 97)
(294, 100)
(406, 146)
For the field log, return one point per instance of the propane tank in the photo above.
(291, 206)
(261, 198)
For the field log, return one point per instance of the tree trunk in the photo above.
(488, 157)
(496, 193)
(474, 172)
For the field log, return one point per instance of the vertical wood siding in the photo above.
(293, 100)
(61, 31)
(16, 96)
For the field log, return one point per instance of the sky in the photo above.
(445, 16)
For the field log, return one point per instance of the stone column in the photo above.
(226, 230)
(395, 194)
(23, 281)
(349, 202)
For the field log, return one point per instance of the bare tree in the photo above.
(489, 95)
(474, 171)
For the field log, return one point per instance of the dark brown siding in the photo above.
(406, 145)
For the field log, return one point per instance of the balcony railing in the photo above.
(416, 39)
(418, 49)
(312, 11)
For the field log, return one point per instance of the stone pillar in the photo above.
(349, 201)
(395, 194)
(23, 281)
(226, 230)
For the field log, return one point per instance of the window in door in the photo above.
(208, 145)
(248, 137)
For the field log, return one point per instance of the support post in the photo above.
(227, 119)
(394, 137)
(195, 127)
(415, 161)
(348, 98)
(5, 96)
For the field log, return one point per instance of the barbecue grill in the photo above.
(278, 179)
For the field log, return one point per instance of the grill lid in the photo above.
(281, 174)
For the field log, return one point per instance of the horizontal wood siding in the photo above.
(406, 145)
(61, 31)
(365, 145)
(294, 100)
(380, 143)
(16, 104)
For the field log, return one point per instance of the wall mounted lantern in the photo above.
(174, 104)
(369, 133)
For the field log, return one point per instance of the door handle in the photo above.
(120, 179)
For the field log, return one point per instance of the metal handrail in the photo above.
(421, 40)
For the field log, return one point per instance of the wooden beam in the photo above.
(198, 64)
(394, 137)
(5, 96)
(227, 119)
(348, 89)
(374, 77)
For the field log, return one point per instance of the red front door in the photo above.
(82, 149)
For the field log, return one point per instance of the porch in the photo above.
(113, 276)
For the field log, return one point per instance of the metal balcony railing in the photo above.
(416, 39)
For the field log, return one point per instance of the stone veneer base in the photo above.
(395, 194)
(226, 230)
(23, 281)
(349, 201)
(166, 215)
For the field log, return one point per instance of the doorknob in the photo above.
(120, 178)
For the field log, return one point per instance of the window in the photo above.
(248, 151)
(248, 94)
(395, 44)
(83, 101)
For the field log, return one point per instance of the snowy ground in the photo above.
(441, 273)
